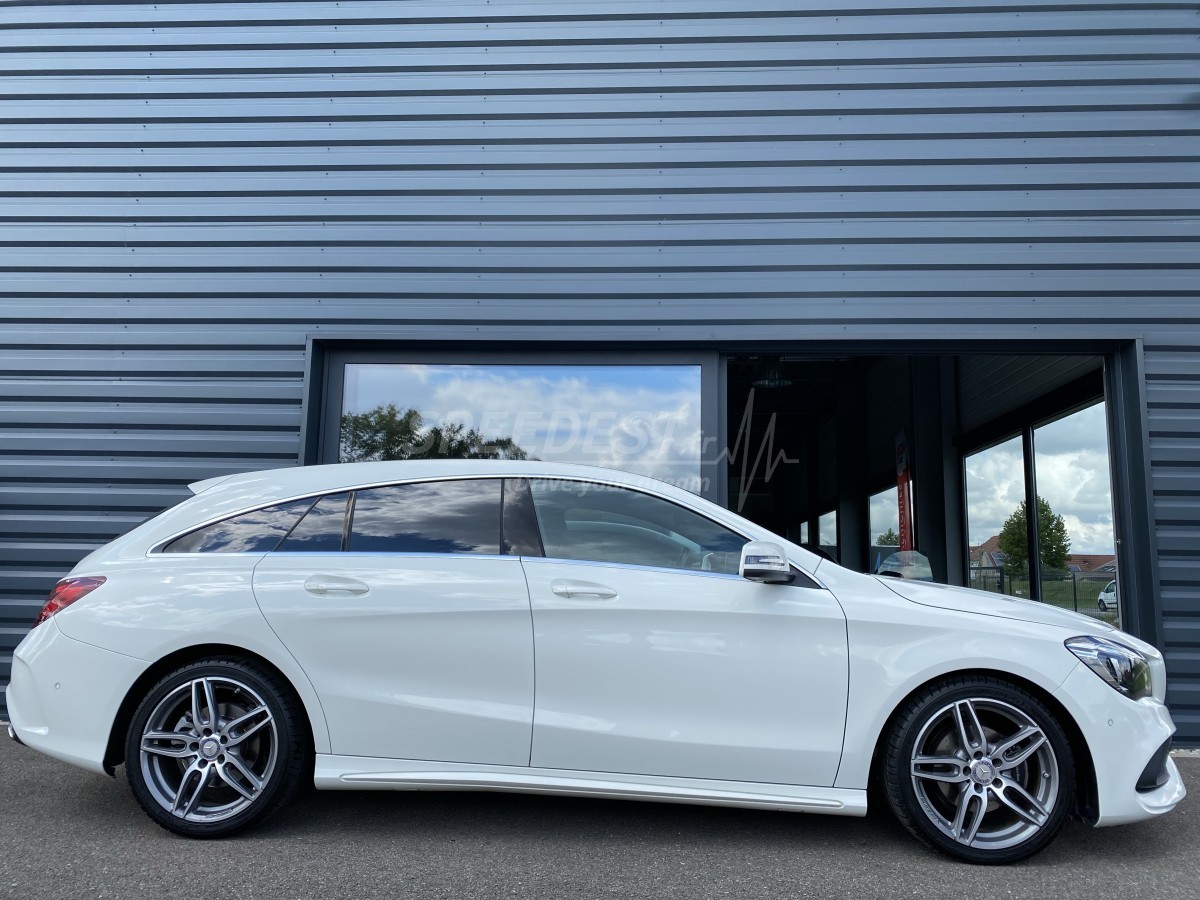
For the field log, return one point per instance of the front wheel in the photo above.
(979, 769)
(216, 746)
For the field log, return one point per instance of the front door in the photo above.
(654, 657)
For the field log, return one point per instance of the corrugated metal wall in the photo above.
(190, 190)
(1173, 398)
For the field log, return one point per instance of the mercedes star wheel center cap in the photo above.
(983, 772)
(210, 748)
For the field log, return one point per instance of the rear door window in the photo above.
(428, 517)
(321, 529)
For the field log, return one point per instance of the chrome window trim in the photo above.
(157, 550)
(631, 566)
(817, 584)
(340, 554)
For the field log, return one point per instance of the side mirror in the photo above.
(765, 562)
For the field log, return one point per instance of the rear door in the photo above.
(417, 634)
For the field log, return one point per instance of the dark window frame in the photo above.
(1072, 398)
(328, 359)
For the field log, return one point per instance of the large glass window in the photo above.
(608, 524)
(639, 418)
(885, 526)
(1071, 516)
(1075, 520)
(428, 517)
(827, 536)
(998, 546)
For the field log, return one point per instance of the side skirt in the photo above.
(347, 773)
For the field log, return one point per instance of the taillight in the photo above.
(65, 593)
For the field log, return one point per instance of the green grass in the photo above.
(1072, 592)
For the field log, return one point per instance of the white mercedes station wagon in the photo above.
(524, 626)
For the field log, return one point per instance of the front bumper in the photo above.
(63, 695)
(1124, 736)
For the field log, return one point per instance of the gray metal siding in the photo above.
(1173, 399)
(190, 191)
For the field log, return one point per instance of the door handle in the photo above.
(334, 584)
(573, 589)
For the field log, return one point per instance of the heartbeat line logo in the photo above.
(766, 452)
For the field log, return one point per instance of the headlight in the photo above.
(1123, 668)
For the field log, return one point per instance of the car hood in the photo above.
(962, 599)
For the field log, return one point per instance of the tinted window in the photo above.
(430, 517)
(320, 531)
(618, 525)
(252, 532)
(520, 532)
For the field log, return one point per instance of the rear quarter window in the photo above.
(258, 531)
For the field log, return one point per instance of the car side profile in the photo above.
(534, 627)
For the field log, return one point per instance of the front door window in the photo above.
(603, 523)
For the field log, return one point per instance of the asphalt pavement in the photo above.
(65, 833)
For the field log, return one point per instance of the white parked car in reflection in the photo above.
(1108, 597)
(523, 626)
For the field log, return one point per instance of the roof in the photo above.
(1089, 562)
(301, 480)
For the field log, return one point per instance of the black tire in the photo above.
(1002, 800)
(206, 774)
(1100, 602)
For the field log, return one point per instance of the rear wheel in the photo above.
(216, 746)
(980, 769)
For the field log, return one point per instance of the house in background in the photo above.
(988, 554)
(1092, 563)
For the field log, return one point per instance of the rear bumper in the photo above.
(1126, 739)
(64, 695)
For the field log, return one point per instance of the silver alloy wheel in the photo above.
(209, 749)
(984, 773)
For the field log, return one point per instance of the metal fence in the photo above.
(1076, 591)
